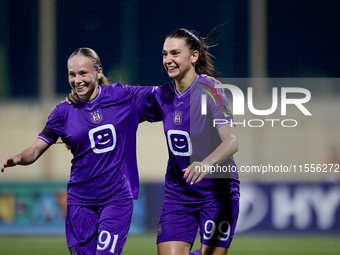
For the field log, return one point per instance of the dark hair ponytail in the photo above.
(194, 42)
(87, 52)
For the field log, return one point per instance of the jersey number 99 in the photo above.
(210, 229)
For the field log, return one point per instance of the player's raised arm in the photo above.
(28, 156)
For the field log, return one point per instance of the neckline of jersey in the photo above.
(187, 90)
(93, 101)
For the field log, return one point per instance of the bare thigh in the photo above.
(173, 248)
(213, 250)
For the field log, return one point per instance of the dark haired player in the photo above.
(194, 144)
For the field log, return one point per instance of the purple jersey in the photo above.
(101, 134)
(191, 136)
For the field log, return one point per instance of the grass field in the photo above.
(145, 245)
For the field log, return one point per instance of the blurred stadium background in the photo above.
(295, 41)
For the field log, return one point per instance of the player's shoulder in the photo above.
(114, 90)
(64, 109)
(208, 84)
(205, 81)
(112, 87)
(165, 91)
(167, 88)
(64, 105)
(125, 88)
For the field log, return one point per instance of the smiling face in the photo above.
(180, 143)
(83, 77)
(178, 60)
(103, 138)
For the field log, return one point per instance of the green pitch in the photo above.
(145, 245)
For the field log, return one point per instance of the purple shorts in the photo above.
(216, 220)
(98, 229)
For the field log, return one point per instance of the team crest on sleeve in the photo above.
(96, 116)
(226, 111)
(178, 117)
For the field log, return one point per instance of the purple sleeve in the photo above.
(151, 110)
(53, 128)
(139, 94)
(220, 111)
(47, 140)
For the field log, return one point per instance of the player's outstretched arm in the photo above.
(28, 156)
(229, 146)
